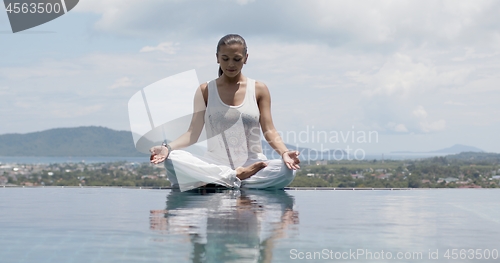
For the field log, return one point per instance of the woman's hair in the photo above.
(229, 40)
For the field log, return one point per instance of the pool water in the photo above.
(142, 225)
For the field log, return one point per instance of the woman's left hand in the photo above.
(291, 159)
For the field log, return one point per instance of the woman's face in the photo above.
(231, 59)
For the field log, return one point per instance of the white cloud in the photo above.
(76, 111)
(425, 125)
(371, 25)
(4, 90)
(398, 75)
(401, 76)
(433, 126)
(49, 68)
(471, 54)
(454, 103)
(244, 2)
(400, 128)
(121, 82)
(386, 21)
(420, 112)
(101, 7)
(165, 47)
(397, 127)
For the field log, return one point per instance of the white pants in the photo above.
(187, 172)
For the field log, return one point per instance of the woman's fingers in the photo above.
(154, 150)
(157, 158)
(291, 160)
(292, 165)
(157, 161)
(156, 155)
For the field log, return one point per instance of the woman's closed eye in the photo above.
(236, 59)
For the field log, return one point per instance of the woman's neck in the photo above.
(232, 80)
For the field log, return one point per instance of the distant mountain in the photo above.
(457, 148)
(100, 141)
(80, 141)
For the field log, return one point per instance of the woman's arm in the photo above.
(270, 133)
(191, 136)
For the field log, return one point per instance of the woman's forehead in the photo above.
(233, 49)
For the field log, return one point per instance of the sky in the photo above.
(379, 76)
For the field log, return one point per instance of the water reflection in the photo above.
(227, 225)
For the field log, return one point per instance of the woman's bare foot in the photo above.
(157, 212)
(246, 172)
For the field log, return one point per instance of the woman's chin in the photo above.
(231, 73)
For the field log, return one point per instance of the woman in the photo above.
(233, 109)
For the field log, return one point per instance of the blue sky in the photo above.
(423, 75)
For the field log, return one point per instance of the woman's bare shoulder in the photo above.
(203, 86)
(204, 90)
(261, 89)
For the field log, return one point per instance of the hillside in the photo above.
(475, 157)
(94, 141)
(80, 141)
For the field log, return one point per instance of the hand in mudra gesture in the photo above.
(158, 154)
(291, 159)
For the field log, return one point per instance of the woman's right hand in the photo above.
(158, 154)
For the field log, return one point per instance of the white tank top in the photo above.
(233, 132)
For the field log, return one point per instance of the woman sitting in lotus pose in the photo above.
(234, 109)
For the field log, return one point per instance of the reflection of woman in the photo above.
(228, 226)
(233, 109)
